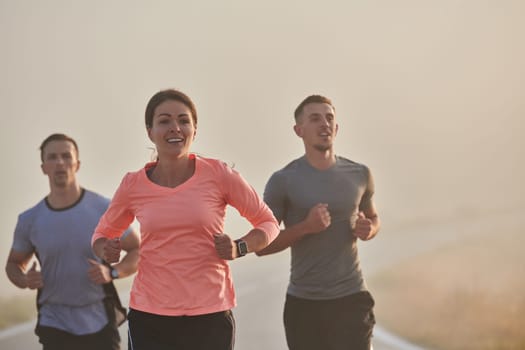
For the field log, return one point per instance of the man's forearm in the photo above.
(16, 275)
(285, 239)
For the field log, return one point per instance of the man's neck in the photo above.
(64, 197)
(319, 159)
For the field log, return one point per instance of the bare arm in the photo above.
(109, 251)
(255, 240)
(317, 220)
(129, 263)
(16, 270)
(226, 248)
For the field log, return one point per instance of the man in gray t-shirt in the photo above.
(325, 202)
(58, 230)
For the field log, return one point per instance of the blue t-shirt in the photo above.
(62, 240)
(324, 265)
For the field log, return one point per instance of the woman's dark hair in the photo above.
(167, 95)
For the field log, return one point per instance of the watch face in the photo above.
(242, 247)
(114, 273)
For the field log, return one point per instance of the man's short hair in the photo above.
(56, 137)
(311, 99)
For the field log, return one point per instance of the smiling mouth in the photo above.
(175, 140)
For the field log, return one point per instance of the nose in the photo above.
(175, 127)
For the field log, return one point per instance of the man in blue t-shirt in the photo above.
(58, 230)
(325, 202)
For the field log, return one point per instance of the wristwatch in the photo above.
(242, 247)
(113, 272)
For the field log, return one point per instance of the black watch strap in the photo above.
(242, 247)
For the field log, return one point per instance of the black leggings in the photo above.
(202, 332)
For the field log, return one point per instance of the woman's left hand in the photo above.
(225, 246)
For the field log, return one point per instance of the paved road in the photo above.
(261, 284)
(261, 288)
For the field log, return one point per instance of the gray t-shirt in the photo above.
(324, 265)
(62, 240)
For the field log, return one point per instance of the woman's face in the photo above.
(173, 129)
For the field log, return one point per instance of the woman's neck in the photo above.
(173, 172)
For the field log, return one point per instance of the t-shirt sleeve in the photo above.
(119, 215)
(21, 238)
(241, 195)
(275, 196)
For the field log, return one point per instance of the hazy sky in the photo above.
(429, 94)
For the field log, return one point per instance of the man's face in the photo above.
(317, 127)
(60, 163)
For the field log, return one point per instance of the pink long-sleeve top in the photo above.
(179, 270)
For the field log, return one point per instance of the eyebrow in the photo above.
(68, 153)
(169, 115)
(320, 114)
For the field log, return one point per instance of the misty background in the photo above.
(429, 94)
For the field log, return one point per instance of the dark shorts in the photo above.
(337, 324)
(202, 332)
(56, 339)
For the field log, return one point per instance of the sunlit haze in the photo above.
(428, 94)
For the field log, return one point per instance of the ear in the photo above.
(43, 170)
(78, 165)
(194, 133)
(148, 130)
(336, 128)
(298, 130)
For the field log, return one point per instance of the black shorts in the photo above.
(56, 339)
(336, 324)
(201, 332)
